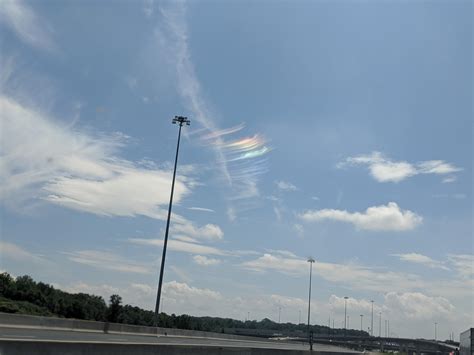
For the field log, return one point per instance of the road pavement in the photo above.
(28, 334)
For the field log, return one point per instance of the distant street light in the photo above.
(345, 314)
(436, 330)
(361, 316)
(380, 324)
(310, 261)
(372, 321)
(181, 121)
(279, 314)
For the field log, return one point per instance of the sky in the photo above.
(338, 130)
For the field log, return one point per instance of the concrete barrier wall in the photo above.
(20, 320)
(48, 348)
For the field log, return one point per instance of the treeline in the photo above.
(23, 295)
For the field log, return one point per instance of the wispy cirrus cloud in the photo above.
(239, 159)
(15, 252)
(20, 18)
(285, 186)
(42, 159)
(421, 259)
(384, 169)
(106, 260)
(351, 275)
(189, 246)
(377, 218)
(205, 261)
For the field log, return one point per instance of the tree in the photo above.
(115, 307)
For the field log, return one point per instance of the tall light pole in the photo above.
(345, 314)
(372, 321)
(436, 330)
(181, 121)
(279, 314)
(361, 316)
(380, 324)
(310, 261)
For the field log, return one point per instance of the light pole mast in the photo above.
(345, 314)
(361, 316)
(310, 261)
(372, 321)
(181, 121)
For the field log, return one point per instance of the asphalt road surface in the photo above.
(67, 336)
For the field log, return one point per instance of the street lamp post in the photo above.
(345, 314)
(181, 121)
(361, 316)
(436, 330)
(310, 261)
(372, 320)
(380, 324)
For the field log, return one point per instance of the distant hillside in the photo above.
(23, 295)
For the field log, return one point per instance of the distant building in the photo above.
(466, 342)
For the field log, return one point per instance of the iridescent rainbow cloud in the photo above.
(244, 148)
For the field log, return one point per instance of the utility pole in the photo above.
(361, 316)
(436, 330)
(181, 121)
(279, 314)
(310, 261)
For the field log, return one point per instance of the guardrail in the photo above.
(21, 321)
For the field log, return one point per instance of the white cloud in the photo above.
(208, 231)
(180, 246)
(463, 263)
(25, 23)
(285, 186)
(449, 179)
(200, 209)
(107, 261)
(421, 259)
(416, 305)
(383, 169)
(205, 261)
(377, 218)
(352, 275)
(44, 160)
(15, 252)
(336, 304)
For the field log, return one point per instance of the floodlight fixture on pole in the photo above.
(310, 261)
(180, 121)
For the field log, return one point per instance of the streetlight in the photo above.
(372, 321)
(361, 316)
(345, 314)
(181, 121)
(279, 314)
(310, 261)
(436, 330)
(380, 324)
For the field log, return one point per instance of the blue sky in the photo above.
(338, 130)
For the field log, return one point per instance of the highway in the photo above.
(38, 335)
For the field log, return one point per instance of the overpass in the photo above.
(405, 345)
